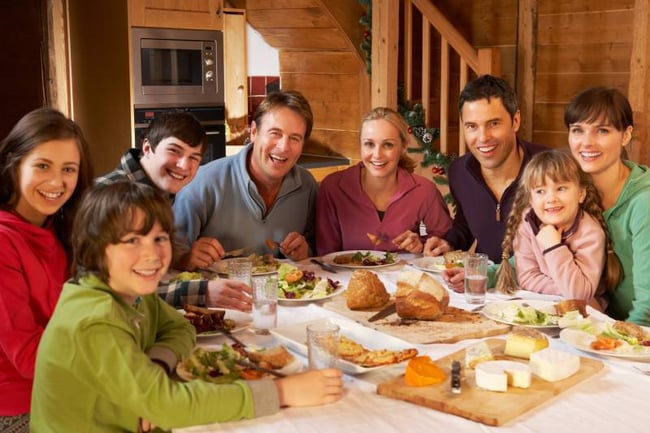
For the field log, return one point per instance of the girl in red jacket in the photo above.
(44, 169)
(558, 234)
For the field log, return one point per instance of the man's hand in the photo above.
(204, 252)
(295, 247)
(408, 241)
(435, 246)
(232, 294)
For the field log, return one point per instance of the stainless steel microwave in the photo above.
(173, 67)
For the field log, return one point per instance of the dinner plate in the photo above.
(336, 292)
(242, 321)
(293, 367)
(433, 264)
(582, 340)
(294, 337)
(502, 311)
(329, 259)
(221, 267)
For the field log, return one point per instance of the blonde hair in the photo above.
(394, 118)
(559, 166)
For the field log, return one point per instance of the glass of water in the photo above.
(475, 265)
(265, 304)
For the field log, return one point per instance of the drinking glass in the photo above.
(265, 304)
(475, 265)
(322, 345)
(240, 269)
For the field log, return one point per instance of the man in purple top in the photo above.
(483, 182)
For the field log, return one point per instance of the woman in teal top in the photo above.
(600, 125)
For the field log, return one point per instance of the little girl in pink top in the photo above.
(558, 234)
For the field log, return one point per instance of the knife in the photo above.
(323, 265)
(236, 253)
(384, 312)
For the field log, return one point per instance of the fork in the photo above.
(272, 244)
(378, 238)
(642, 370)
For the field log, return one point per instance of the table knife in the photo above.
(323, 265)
(384, 312)
(236, 253)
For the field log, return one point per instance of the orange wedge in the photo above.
(422, 371)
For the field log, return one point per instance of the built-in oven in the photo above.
(177, 68)
(211, 118)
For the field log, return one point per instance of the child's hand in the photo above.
(312, 388)
(455, 279)
(548, 236)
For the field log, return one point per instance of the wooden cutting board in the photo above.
(487, 407)
(455, 325)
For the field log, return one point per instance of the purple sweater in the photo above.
(477, 207)
(345, 214)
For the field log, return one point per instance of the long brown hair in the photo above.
(32, 130)
(559, 166)
(394, 118)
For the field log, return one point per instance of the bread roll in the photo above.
(563, 307)
(365, 290)
(420, 296)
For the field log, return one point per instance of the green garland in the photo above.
(366, 43)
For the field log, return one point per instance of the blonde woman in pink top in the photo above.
(558, 234)
(379, 203)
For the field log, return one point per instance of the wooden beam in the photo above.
(444, 93)
(58, 91)
(426, 70)
(639, 88)
(526, 69)
(408, 50)
(385, 37)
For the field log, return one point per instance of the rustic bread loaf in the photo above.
(420, 296)
(566, 305)
(365, 290)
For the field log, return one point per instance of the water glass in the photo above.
(265, 304)
(322, 345)
(475, 265)
(240, 269)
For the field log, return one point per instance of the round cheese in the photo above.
(553, 365)
(497, 375)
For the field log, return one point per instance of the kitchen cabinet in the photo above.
(178, 14)
(235, 74)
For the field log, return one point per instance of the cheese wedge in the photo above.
(553, 365)
(521, 342)
(497, 375)
(480, 352)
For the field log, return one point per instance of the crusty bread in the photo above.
(365, 290)
(420, 296)
(566, 305)
(274, 357)
(630, 329)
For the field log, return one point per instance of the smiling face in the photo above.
(172, 164)
(277, 145)
(489, 132)
(557, 203)
(47, 177)
(138, 262)
(597, 145)
(381, 148)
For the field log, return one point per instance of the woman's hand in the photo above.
(435, 246)
(408, 241)
(312, 388)
(232, 294)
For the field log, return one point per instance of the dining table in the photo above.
(612, 400)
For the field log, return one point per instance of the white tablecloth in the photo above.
(615, 400)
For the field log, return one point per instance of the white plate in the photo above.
(336, 292)
(293, 367)
(295, 338)
(494, 311)
(242, 321)
(582, 340)
(329, 259)
(221, 267)
(432, 264)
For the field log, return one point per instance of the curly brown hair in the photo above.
(559, 166)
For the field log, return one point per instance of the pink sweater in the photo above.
(33, 268)
(572, 269)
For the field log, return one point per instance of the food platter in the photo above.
(294, 337)
(329, 259)
(581, 340)
(434, 264)
(242, 321)
(504, 312)
(221, 268)
(304, 300)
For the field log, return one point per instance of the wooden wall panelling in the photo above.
(526, 65)
(639, 87)
(180, 14)
(235, 73)
(385, 27)
(567, 7)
